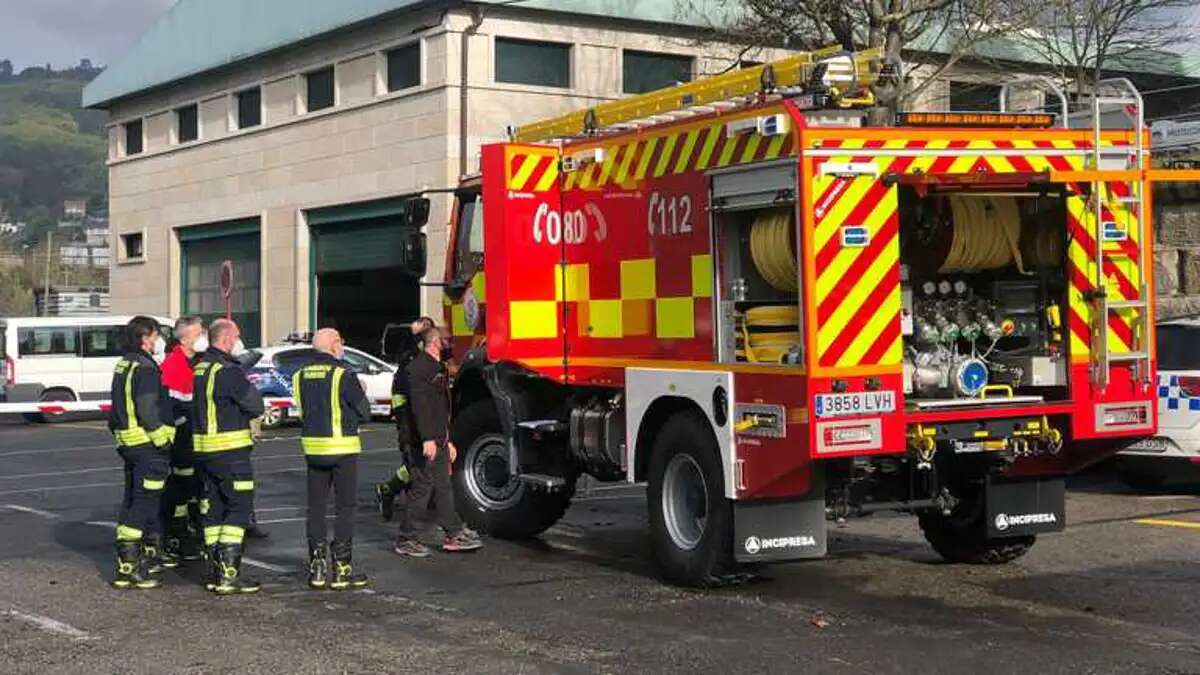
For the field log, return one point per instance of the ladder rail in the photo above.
(1048, 85)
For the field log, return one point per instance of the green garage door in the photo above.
(359, 272)
(204, 249)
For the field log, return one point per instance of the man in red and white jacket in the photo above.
(182, 498)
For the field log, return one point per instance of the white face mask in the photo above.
(239, 348)
(201, 343)
(160, 349)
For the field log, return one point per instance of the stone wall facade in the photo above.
(1177, 249)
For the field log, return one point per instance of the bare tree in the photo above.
(1083, 38)
(951, 28)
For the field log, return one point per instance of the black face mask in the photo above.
(447, 351)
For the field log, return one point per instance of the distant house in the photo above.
(85, 254)
(72, 301)
(10, 228)
(74, 209)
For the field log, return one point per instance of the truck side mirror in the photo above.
(414, 253)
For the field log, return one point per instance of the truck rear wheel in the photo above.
(488, 497)
(691, 521)
(961, 537)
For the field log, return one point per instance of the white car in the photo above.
(1175, 451)
(271, 368)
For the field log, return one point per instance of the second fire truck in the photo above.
(774, 314)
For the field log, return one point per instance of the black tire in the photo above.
(686, 448)
(1142, 480)
(55, 395)
(962, 538)
(488, 497)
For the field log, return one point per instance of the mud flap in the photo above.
(775, 530)
(1023, 507)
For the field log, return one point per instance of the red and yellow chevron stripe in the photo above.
(530, 168)
(677, 150)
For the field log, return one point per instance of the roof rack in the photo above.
(840, 78)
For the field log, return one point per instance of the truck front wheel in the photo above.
(488, 497)
(961, 537)
(691, 521)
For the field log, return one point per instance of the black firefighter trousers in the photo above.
(341, 474)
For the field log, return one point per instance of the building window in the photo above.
(249, 108)
(133, 247)
(646, 71)
(967, 96)
(318, 86)
(404, 67)
(187, 127)
(133, 137)
(546, 64)
(202, 296)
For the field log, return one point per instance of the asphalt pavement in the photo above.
(1118, 592)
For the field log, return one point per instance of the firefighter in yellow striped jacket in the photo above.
(144, 443)
(223, 404)
(332, 405)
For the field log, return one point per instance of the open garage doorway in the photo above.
(363, 277)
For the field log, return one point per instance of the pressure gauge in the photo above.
(960, 287)
(929, 288)
(944, 287)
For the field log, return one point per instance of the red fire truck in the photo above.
(774, 314)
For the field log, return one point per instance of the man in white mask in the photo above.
(182, 502)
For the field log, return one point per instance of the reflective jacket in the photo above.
(332, 405)
(223, 403)
(178, 378)
(138, 400)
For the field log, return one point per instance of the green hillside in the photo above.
(50, 148)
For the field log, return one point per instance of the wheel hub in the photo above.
(486, 472)
(685, 501)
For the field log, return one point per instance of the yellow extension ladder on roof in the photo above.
(847, 75)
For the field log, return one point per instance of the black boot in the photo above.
(180, 543)
(155, 556)
(318, 564)
(131, 568)
(229, 562)
(212, 571)
(385, 493)
(344, 575)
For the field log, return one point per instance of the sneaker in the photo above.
(412, 548)
(464, 540)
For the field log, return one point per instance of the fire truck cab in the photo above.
(774, 314)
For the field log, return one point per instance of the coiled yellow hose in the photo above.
(987, 231)
(771, 249)
(776, 332)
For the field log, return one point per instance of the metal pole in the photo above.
(46, 292)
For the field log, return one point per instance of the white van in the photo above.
(62, 358)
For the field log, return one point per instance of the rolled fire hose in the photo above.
(772, 249)
(987, 231)
(770, 332)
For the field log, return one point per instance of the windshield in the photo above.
(468, 257)
(1177, 347)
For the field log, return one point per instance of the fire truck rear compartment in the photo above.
(983, 295)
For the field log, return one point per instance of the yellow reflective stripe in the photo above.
(243, 485)
(211, 534)
(228, 440)
(131, 437)
(231, 534)
(398, 400)
(126, 533)
(181, 511)
(151, 484)
(163, 435)
(211, 413)
(345, 445)
(205, 505)
(296, 389)
(335, 402)
(130, 410)
(184, 471)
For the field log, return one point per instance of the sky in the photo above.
(61, 32)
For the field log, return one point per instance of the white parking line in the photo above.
(281, 520)
(50, 625)
(30, 509)
(13, 453)
(57, 488)
(266, 566)
(102, 523)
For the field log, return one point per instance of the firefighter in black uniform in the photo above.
(224, 403)
(332, 404)
(387, 491)
(144, 442)
(430, 385)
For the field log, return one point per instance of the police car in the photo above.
(270, 370)
(1175, 451)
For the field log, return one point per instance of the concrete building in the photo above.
(284, 136)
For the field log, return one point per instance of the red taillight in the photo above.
(10, 371)
(1189, 386)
